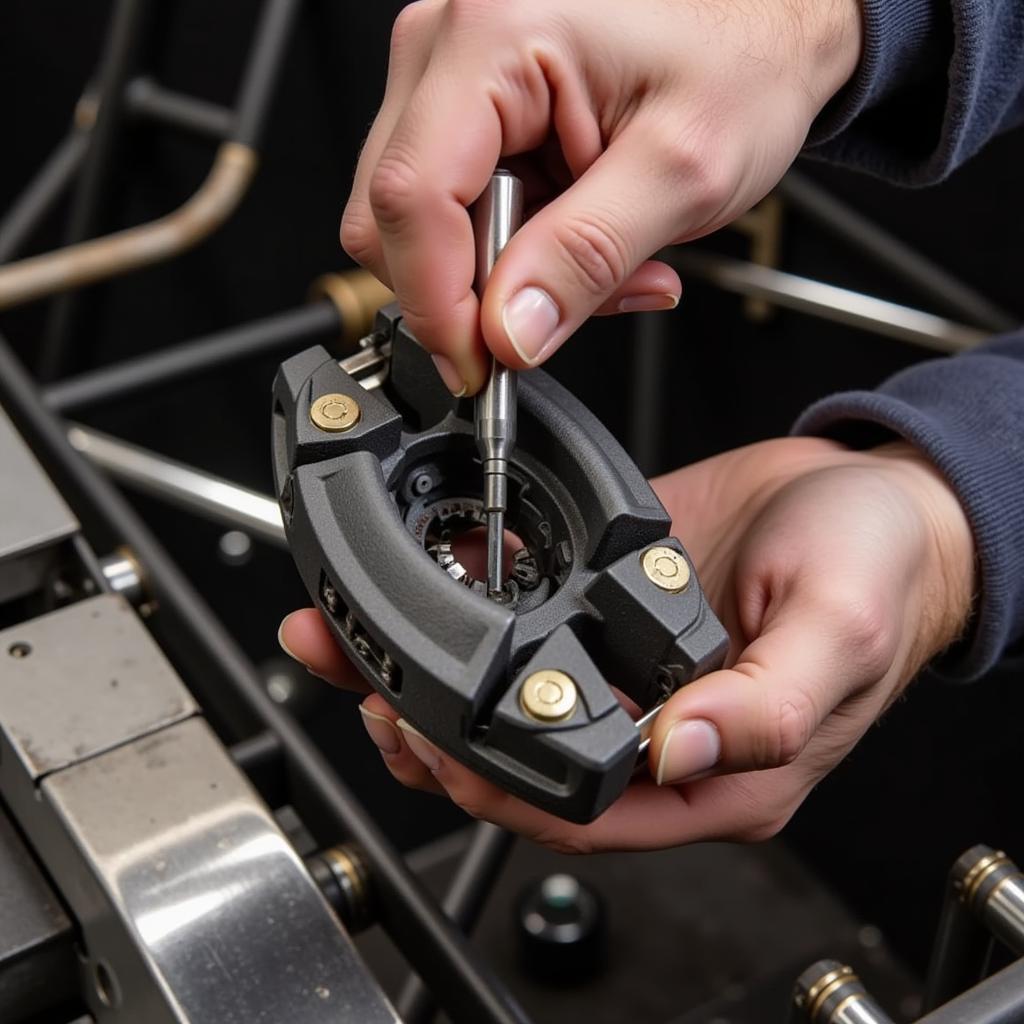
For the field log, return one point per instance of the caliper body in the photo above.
(377, 486)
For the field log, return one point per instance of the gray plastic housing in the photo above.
(450, 660)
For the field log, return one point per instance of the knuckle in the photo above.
(699, 171)
(469, 796)
(792, 720)
(868, 638)
(763, 829)
(595, 252)
(358, 232)
(393, 188)
(409, 25)
(571, 843)
(462, 11)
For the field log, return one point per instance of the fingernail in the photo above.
(452, 378)
(420, 745)
(691, 747)
(647, 303)
(530, 318)
(381, 731)
(280, 639)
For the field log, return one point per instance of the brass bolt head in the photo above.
(548, 695)
(334, 413)
(666, 568)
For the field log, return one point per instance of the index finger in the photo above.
(438, 160)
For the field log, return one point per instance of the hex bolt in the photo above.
(334, 413)
(548, 696)
(666, 568)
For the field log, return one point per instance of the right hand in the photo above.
(633, 124)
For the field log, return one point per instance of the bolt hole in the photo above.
(107, 987)
(19, 649)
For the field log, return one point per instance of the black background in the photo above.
(941, 771)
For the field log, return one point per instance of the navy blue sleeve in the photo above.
(966, 414)
(937, 79)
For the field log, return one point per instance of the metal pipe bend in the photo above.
(100, 258)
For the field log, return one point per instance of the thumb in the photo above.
(762, 712)
(585, 248)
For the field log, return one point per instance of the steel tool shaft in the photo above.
(496, 217)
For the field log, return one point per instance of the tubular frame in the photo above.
(432, 943)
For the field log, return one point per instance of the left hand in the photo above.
(837, 573)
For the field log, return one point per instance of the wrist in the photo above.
(836, 45)
(949, 562)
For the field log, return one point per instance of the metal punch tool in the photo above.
(497, 216)
(377, 482)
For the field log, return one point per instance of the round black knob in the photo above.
(562, 930)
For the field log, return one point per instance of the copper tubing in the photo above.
(357, 295)
(109, 255)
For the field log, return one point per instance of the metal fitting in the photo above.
(356, 295)
(341, 874)
(124, 576)
(991, 887)
(829, 992)
(666, 568)
(334, 413)
(548, 696)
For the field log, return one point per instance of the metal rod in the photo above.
(272, 335)
(997, 1000)
(194, 490)
(133, 248)
(960, 953)
(262, 69)
(128, 25)
(467, 893)
(948, 292)
(497, 216)
(145, 98)
(647, 412)
(26, 213)
(181, 485)
(827, 301)
(439, 953)
(984, 898)
(214, 201)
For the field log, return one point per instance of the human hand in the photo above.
(837, 573)
(633, 125)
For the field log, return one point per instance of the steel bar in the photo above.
(194, 490)
(276, 334)
(128, 25)
(984, 900)
(259, 80)
(827, 301)
(145, 98)
(439, 953)
(474, 879)
(181, 485)
(26, 213)
(960, 954)
(215, 200)
(948, 292)
(647, 407)
(997, 1000)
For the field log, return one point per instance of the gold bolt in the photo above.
(548, 695)
(666, 568)
(334, 413)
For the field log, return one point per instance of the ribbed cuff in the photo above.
(905, 58)
(967, 416)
